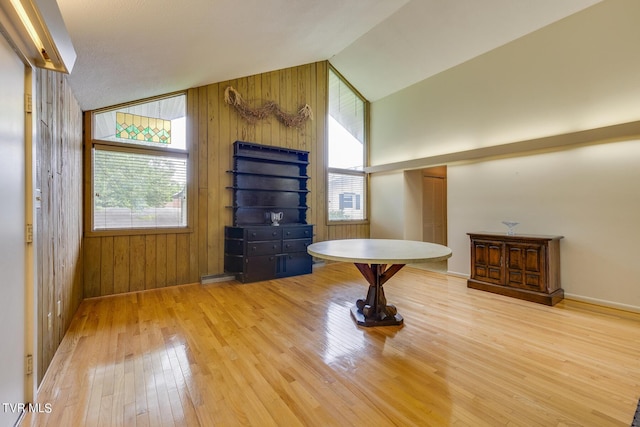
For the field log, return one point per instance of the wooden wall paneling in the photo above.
(198, 120)
(59, 268)
(253, 130)
(121, 264)
(46, 230)
(274, 91)
(228, 133)
(150, 247)
(285, 139)
(216, 174)
(237, 125)
(203, 232)
(38, 228)
(193, 189)
(171, 260)
(321, 176)
(161, 260)
(246, 131)
(106, 265)
(136, 263)
(291, 104)
(194, 269)
(182, 258)
(57, 222)
(302, 96)
(73, 288)
(317, 169)
(209, 212)
(267, 129)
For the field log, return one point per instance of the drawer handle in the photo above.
(253, 248)
(274, 234)
(253, 234)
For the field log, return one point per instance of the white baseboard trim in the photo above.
(604, 303)
(456, 274)
(574, 297)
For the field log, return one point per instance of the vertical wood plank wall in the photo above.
(118, 264)
(59, 217)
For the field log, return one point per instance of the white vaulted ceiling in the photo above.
(132, 49)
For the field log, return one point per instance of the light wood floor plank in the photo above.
(286, 352)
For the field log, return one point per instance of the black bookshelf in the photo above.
(268, 179)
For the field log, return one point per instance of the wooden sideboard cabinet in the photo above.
(267, 252)
(520, 266)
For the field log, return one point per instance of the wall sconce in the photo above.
(37, 32)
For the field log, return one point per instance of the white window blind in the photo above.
(346, 197)
(132, 190)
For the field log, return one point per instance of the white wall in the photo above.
(577, 74)
(387, 206)
(590, 195)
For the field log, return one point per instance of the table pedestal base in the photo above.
(361, 320)
(374, 310)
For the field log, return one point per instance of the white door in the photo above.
(12, 234)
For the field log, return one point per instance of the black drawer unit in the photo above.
(266, 252)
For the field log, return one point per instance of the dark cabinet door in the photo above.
(487, 259)
(526, 266)
(260, 268)
(294, 264)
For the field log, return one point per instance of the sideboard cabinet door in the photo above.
(526, 266)
(487, 265)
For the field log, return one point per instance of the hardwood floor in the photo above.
(287, 353)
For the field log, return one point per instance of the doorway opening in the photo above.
(426, 209)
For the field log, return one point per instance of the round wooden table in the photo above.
(371, 257)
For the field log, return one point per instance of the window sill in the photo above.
(348, 222)
(137, 232)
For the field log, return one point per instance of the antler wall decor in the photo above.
(252, 115)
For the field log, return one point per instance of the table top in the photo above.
(379, 251)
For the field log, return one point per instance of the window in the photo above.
(347, 179)
(139, 162)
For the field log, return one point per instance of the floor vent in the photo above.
(215, 278)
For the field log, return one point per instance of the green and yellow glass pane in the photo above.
(141, 128)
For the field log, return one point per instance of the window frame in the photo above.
(90, 144)
(365, 161)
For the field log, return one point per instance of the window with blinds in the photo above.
(139, 166)
(346, 139)
(133, 190)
